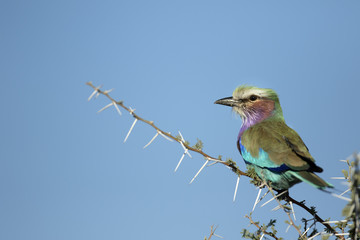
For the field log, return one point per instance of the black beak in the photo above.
(228, 101)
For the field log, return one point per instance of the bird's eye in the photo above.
(253, 97)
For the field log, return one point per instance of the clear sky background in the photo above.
(65, 172)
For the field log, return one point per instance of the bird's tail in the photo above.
(312, 179)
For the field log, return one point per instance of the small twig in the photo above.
(212, 233)
(260, 228)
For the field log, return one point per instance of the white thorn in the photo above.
(305, 232)
(262, 236)
(315, 236)
(95, 91)
(151, 140)
(117, 108)
(92, 94)
(166, 137)
(345, 192)
(341, 197)
(187, 152)
(215, 161)
(182, 144)
(212, 163)
(177, 166)
(182, 138)
(331, 222)
(274, 198)
(287, 229)
(257, 199)
(131, 111)
(199, 171)
(338, 178)
(236, 187)
(345, 161)
(342, 234)
(217, 236)
(185, 149)
(108, 91)
(107, 106)
(131, 128)
(264, 194)
(276, 208)
(292, 209)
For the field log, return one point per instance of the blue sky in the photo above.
(65, 172)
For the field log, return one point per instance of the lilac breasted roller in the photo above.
(269, 146)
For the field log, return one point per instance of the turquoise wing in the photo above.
(261, 160)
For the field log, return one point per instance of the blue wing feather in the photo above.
(262, 160)
(278, 175)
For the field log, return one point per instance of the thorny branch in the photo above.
(230, 164)
(281, 206)
(312, 212)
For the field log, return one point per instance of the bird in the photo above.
(267, 144)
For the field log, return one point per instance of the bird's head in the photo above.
(253, 104)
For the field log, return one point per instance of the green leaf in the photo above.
(199, 145)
